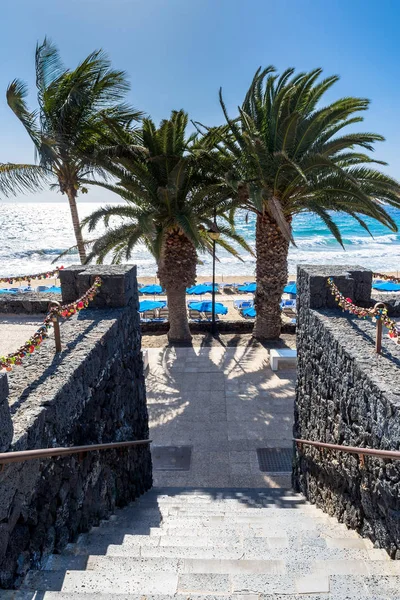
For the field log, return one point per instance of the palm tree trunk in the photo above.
(178, 321)
(271, 273)
(71, 193)
(177, 271)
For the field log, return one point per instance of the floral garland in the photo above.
(377, 313)
(28, 278)
(66, 311)
(386, 277)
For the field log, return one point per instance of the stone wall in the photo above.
(92, 392)
(348, 395)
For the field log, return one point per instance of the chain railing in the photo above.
(379, 312)
(51, 320)
(386, 277)
(35, 277)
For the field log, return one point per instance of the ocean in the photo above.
(34, 234)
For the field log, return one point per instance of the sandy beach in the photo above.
(241, 279)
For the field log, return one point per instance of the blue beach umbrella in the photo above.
(249, 312)
(220, 309)
(151, 289)
(145, 305)
(250, 288)
(387, 286)
(290, 289)
(7, 291)
(55, 289)
(201, 288)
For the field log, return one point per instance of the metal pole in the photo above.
(213, 324)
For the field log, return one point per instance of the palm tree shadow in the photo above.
(215, 399)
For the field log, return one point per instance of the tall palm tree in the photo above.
(171, 196)
(76, 113)
(285, 154)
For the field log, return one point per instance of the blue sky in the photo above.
(178, 53)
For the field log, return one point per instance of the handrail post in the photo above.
(378, 340)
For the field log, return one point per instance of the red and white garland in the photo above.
(66, 311)
(386, 277)
(29, 278)
(377, 313)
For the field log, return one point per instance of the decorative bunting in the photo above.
(66, 311)
(386, 277)
(29, 278)
(377, 313)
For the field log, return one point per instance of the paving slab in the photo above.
(225, 403)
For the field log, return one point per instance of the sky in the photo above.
(178, 53)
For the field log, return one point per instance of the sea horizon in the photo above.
(35, 233)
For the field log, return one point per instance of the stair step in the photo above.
(163, 583)
(251, 550)
(226, 519)
(216, 544)
(92, 581)
(283, 564)
(164, 512)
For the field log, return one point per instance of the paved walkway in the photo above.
(15, 330)
(225, 403)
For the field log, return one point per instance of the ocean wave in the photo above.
(42, 252)
(355, 240)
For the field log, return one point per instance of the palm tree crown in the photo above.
(171, 196)
(285, 154)
(77, 111)
(167, 189)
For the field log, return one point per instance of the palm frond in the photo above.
(15, 179)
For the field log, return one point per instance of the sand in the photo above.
(153, 279)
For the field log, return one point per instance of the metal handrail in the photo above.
(10, 457)
(393, 454)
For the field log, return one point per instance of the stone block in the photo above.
(119, 285)
(313, 292)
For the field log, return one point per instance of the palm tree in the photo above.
(285, 154)
(171, 196)
(77, 110)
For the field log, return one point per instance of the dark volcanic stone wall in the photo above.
(347, 395)
(92, 392)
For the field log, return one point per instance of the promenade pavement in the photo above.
(225, 403)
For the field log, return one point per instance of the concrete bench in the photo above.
(276, 355)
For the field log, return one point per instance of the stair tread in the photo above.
(236, 544)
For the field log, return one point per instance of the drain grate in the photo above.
(275, 460)
(171, 458)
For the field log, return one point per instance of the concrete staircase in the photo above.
(217, 543)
